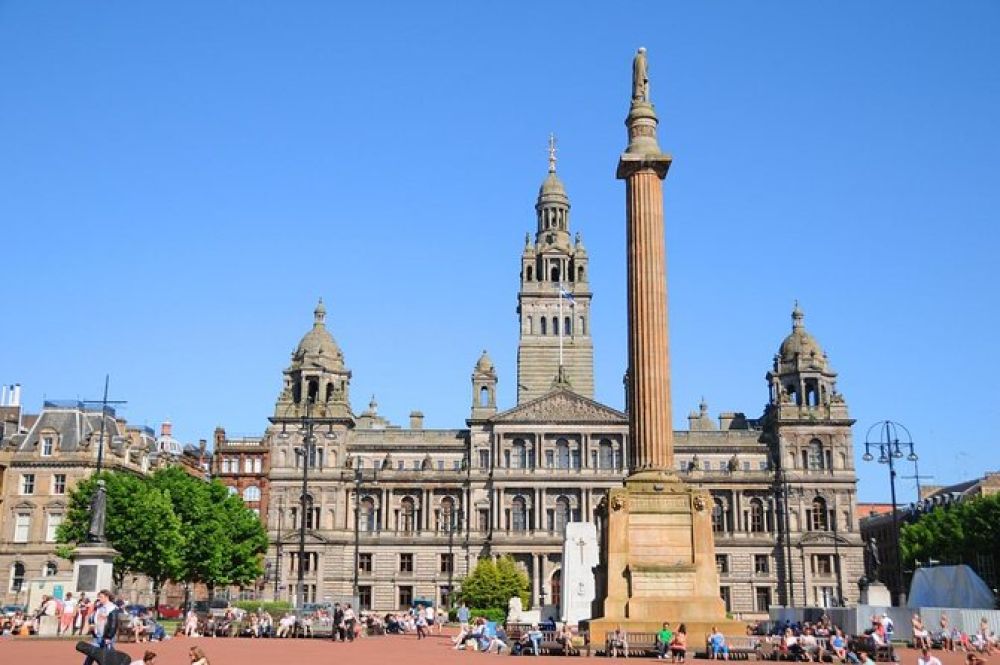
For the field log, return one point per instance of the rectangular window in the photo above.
(48, 445)
(27, 483)
(823, 564)
(406, 563)
(405, 597)
(457, 466)
(365, 562)
(722, 563)
(706, 465)
(484, 459)
(484, 520)
(726, 596)
(59, 483)
(247, 465)
(401, 465)
(51, 525)
(763, 465)
(416, 465)
(762, 599)
(746, 466)
(365, 598)
(575, 459)
(257, 465)
(761, 564)
(440, 465)
(447, 563)
(549, 459)
(22, 524)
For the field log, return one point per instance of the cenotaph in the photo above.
(658, 552)
(580, 556)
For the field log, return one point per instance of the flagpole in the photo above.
(559, 325)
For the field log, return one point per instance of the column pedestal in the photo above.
(93, 568)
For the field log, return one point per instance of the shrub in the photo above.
(491, 613)
(270, 606)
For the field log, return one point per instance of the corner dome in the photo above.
(484, 364)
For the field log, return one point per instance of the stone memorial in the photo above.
(580, 556)
(93, 561)
(658, 551)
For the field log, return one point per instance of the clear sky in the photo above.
(180, 181)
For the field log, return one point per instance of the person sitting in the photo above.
(535, 637)
(619, 642)
(678, 645)
(663, 640)
(717, 645)
(810, 646)
(565, 639)
(147, 659)
(838, 645)
(197, 656)
(921, 638)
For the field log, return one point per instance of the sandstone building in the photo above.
(407, 511)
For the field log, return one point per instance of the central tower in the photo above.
(553, 303)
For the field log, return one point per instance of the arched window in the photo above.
(311, 514)
(819, 520)
(484, 396)
(556, 585)
(407, 515)
(529, 273)
(313, 390)
(50, 569)
(518, 514)
(555, 325)
(567, 326)
(366, 521)
(582, 330)
(448, 521)
(562, 514)
(607, 454)
(579, 274)
(757, 516)
(519, 459)
(251, 493)
(814, 456)
(232, 490)
(329, 391)
(555, 274)
(718, 516)
(543, 323)
(562, 454)
(17, 577)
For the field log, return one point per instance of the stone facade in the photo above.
(429, 502)
(42, 457)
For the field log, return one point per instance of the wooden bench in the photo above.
(637, 644)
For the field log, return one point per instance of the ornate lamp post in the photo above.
(890, 446)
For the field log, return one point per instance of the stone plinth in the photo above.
(93, 568)
(877, 595)
(661, 561)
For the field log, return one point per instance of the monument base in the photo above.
(93, 568)
(660, 560)
(877, 594)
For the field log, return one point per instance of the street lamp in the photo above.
(308, 453)
(890, 447)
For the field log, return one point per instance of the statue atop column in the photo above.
(98, 514)
(640, 77)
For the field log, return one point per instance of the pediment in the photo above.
(563, 407)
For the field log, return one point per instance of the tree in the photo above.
(492, 585)
(140, 525)
(963, 532)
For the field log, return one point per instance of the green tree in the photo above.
(140, 525)
(960, 533)
(490, 586)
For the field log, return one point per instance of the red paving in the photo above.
(373, 650)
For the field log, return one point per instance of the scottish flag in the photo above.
(563, 293)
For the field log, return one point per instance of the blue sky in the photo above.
(182, 180)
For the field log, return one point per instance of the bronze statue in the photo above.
(872, 560)
(98, 514)
(640, 77)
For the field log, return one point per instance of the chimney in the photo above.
(166, 428)
(416, 420)
(219, 437)
(16, 399)
(3, 395)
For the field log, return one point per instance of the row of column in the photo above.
(537, 507)
(538, 452)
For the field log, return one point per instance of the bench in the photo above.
(741, 647)
(880, 653)
(637, 644)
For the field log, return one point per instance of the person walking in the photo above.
(106, 617)
(68, 617)
(349, 621)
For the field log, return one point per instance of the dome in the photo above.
(799, 343)
(318, 344)
(485, 364)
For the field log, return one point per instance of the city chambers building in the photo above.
(399, 514)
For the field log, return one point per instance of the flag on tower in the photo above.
(563, 293)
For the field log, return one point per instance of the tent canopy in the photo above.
(950, 586)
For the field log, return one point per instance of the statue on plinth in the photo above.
(640, 77)
(872, 561)
(98, 514)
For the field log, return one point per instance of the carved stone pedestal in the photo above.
(93, 568)
(876, 595)
(660, 561)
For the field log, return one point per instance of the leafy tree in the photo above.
(140, 524)
(959, 533)
(491, 585)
